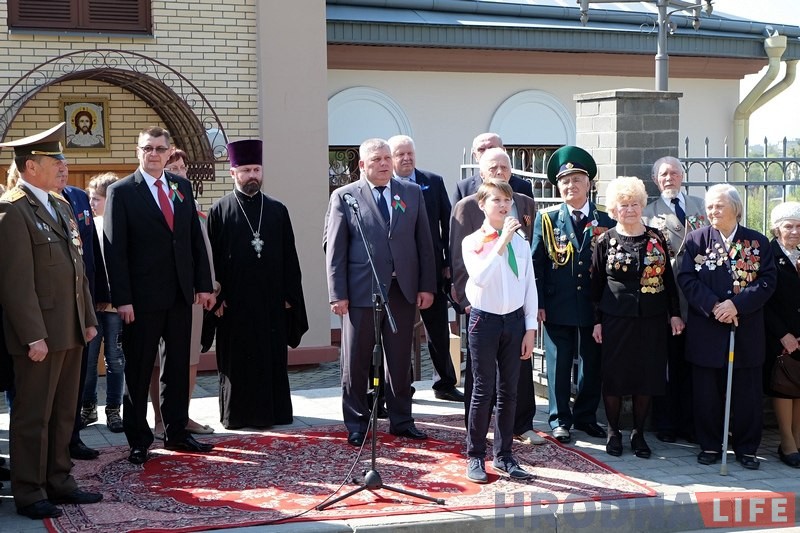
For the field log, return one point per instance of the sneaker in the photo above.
(510, 466)
(530, 437)
(476, 471)
(113, 419)
(88, 414)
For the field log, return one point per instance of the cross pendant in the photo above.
(257, 244)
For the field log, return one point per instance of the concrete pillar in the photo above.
(293, 89)
(626, 130)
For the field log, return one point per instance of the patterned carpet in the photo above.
(276, 476)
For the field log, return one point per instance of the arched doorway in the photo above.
(184, 110)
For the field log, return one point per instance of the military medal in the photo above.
(257, 243)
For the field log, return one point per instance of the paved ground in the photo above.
(672, 471)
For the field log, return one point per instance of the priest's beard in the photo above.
(251, 187)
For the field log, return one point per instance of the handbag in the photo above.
(786, 376)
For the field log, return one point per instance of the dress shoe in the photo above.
(530, 437)
(82, 452)
(748, 461)
(614, 445)
(355, 438)
(666, 436)
(138, 455)
(639, 446)
(40, 510)
(452, 395)
(792, 459)
(188, 444)
(707, 458)
(561, 433)
(592, 429)
(411, 432)
(78, 497)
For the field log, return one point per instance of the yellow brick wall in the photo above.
(195, 38)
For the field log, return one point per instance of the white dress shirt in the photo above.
(492, 285)
(41, 195)
(151, 184)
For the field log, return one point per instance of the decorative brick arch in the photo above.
(186, 112)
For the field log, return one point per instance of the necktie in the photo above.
(382, 207)
(512, 260)
(580, 224)
(163, 202)
(679, 212)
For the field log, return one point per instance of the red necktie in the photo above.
(163, 201)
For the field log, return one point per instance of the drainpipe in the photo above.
(774, 45)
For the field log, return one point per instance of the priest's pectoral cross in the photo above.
(257, 244)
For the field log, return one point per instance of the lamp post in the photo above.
(665, 27)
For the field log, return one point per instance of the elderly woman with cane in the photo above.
(727, 275)
(783, 329)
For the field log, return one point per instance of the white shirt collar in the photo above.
(40, 194)
(151, 180)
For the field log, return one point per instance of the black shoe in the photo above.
(707, 458)
(78, 497)
(561, 433)
(614, 445)
(666, 436)
(639, 446)
(138, 455)
(792, 459)
(40, 510)
(748, 461)
(411, 432)
(188, 444)
(592, 429)
(383, 414)
(82, 452)
(452, 395)
(355, 438)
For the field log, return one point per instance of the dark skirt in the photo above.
(634, 355)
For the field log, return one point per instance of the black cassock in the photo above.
(256, 328)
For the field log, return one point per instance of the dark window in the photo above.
(128, 16)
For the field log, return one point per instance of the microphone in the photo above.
(350, 200)
(521, 234)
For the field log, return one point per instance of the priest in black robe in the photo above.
(260, 309)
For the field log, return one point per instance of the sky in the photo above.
(780, 117)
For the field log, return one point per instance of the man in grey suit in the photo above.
(674, 214)
(468, 186)
(396, 227)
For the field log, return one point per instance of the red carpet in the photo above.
(258, 478)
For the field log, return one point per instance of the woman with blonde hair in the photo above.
(635, 295)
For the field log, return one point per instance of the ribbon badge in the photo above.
(176, 194)
(75, 236)
(398, 203)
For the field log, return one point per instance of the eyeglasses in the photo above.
(149, 149)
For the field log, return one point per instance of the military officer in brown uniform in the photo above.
(48, 318)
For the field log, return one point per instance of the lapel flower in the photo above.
(176, 194)
(398, 203)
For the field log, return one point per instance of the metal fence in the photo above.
(763, 180)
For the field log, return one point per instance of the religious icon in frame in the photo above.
(87, 122)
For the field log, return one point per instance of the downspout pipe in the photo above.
(774, 46)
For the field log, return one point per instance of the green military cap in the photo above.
(569, 159)
(44, 143)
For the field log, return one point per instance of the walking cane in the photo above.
(723, 469)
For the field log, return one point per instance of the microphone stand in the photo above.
(372, 478)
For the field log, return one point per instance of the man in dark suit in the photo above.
(563, 240)
(675, 214)
(468, 186)
(48, 319)
(158, 266)
(437, 206)
(396, 226)
(466, 219)
(98, 288)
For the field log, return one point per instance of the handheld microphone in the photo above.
(350, 200)
(521, 234)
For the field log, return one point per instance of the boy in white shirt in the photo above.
(502, 326)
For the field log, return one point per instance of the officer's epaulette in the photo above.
(551, 208)
(13, 195)
(601, 208)
(57, 196)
